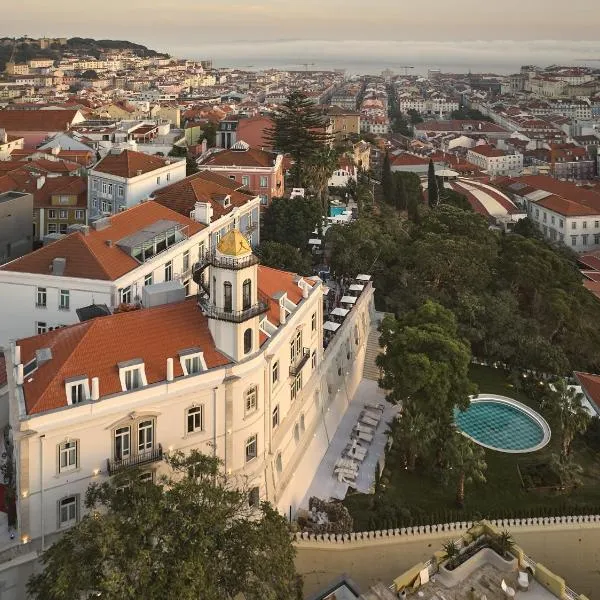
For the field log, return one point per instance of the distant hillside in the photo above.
(25, 51)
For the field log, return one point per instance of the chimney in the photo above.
(204, 145)
(170, 372)
(20, 374)
(138, 172)
(282, 314)
(304, 290)
(202, 212)
(95, 389)
(55, 151)
(109, 243)
(17, 359)
(41, 180)
(58, 266)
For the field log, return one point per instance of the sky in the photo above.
(354, 32)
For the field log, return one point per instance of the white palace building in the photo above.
(238, 371)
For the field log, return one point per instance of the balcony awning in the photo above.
(340, 312)
(331, 326)
(356, 287)
(348, 300)
(363, 277)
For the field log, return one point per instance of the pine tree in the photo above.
(298, 130)
(400, 195)
(433, 196)
(387, 182)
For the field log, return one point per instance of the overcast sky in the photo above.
(223, 29)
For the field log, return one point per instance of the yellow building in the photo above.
(344, 121)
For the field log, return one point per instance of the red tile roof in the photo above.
(253, 157)
(128, 163)
(487, 150)
(203, 186)
(37, 120)
(591, 384)
(462, 126)
(406, 159)
(568, 208)
(89, 256)
(93, 348)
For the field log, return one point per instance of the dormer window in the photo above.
(192, 361)
(132, 374)
(77, 389)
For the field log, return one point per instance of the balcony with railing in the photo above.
(300, 362)
(225, 262)
(233, 316)
(134, 460)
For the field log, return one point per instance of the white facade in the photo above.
(21, 291)
(505, 164)
(259, 420)
(109, 194)
(428, 105)
(580, 233)
(341, 177)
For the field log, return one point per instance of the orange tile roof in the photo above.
(271, 281)
(253, 157)
(93, 348)
(591, 384)
(89, 256)
(487, 150)
(129, 162)
(568, 208)
(37, 120)
(203, 186)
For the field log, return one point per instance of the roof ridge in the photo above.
(94, 255)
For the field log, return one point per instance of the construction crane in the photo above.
(306, 65)
(406, 68)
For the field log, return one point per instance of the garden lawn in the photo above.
(415, 498)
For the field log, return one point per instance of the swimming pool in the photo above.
(335, 211)
(503, 424)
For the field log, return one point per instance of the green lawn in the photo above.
(418, 499)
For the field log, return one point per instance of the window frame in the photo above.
(192, 354)
(64, 300)
(275, 373)
(149, 279)
(251, 400)
(275, 417)
(69, 449)
(125, 370)
(146, 435)
(169, 271)
(193, 414)
(251, 442)
(73, 503)
(248, 340)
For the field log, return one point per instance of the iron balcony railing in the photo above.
(225, 262)
(134, 460)
(300, 362)
(232, 316)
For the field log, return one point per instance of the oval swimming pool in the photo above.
(503, 424)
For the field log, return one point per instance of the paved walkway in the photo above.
(325, 484)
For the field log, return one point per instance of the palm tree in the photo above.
(567, 470)
(467, 461)
(451, 551)
(317, 172)
(564, 403)
(504, 543)
(413, 432)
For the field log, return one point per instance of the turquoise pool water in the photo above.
(501, 426)
(334, 211)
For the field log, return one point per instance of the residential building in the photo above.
(461, 127)
(112, 261)
(34, 126)
(239, 373)
(123, 178)
(16, 238)
(256, 170)
(9, 143)
(346, 172)
(344, 121)
(495, 161)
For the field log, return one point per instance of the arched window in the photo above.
(227, 297)
(247, 341)
(246, 294)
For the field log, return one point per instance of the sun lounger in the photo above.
(361, 435)
(369, 421)
(375, 405)
(374, 414)
(356, 454)
(346, 463)
(364, 428)
(508, 591)
(348, 478)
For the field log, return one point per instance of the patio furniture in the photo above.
(346, 463)
(368, 416)
(375, 405)
(523, 581)
(358, 454)
(370, 422)
(348, 478)
(361, 435)
(508, 591)
(364, 428)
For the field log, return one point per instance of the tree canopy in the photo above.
(191, 535)
(291, 221)
(284, 256)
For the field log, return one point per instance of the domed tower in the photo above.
(232, 305)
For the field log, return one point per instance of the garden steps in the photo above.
(371, 370)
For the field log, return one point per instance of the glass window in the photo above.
(264, 182)
(52, 213)
(148, 279)
(573, 225)
(596, 238)
(67, 456)
(313, 359)
(67, 511)
(145, 435)
(41, 296)
(64, 300)
(52, 228)
(121, 191)
(251, 448)
(41, 327)
(169, 271)
(77, 393)
(584, 239)
(186, 260)
(133, 379)
(246, 294)
(296, 386)
(122, 443)
(251, 399)
(245, 180)
(275, 417)
(195, 419)
(275, 371)
(227, 297)
(313, 322)
(584, 224)
(573, 240)
(193, 365)
(79, 215)
(254, 497)
(247, 341)
(125, 295)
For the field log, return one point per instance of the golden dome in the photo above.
(233, 243)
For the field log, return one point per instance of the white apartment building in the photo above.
(495, 161)
(112, 261)
(240, 374)
(123, 178)
(428, 105)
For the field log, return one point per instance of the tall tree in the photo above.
(400, 194)
(433, 194)
(284, 256)
(565, 404)
(466, 464)
(319, 169)
(291, 221)
(387, 182)
(299, 129)
(192, 535)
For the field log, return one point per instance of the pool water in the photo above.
(335, 211)
(500, 426)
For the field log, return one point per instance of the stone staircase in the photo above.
(371, 370)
